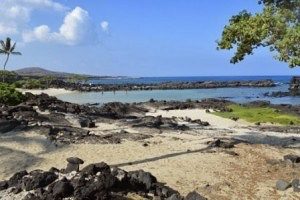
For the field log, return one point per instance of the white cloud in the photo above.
(104, 25)
(15, 14)
(77, 28)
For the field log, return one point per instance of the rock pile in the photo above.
(95, 181)
(295, 86)
(158, 122)
(161, 86)
(113, 110)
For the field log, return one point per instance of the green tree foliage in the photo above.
(9, 95)
(276, 27)
(47, 80)
(9, 76)
(7, 48)
(76, 78)
(29, 84)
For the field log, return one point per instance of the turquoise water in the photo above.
(240, 95)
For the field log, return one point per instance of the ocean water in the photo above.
(240, 95)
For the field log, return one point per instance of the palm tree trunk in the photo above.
(3, 76)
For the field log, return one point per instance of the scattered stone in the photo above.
(234, 118)
(194, 196)
(292, 158)
(75, 160)
(296, 185)
(257, 123)
(282, 185)
(175, 197)
(221, 144)
(145, 144)
(85, 122)
(73, 164)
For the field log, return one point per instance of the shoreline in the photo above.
(49, 91)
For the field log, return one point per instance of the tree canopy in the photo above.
(276, 27)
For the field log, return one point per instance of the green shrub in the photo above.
(9, 95)
(10, 77)
(29, 84)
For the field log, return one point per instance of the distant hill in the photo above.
(40, 72)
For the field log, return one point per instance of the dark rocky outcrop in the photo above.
(86, 122)
(8, 125)
(95, 181)
(295, 86)
(37, 179)
(158, 122)
(160, 86)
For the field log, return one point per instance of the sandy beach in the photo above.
(178, 158)
(49, 91)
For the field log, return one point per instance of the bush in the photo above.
(10, 77)
(29, 84)
(9, 95)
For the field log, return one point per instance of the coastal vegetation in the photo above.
(7, 48)
(10, 77)
(76, 79)
(259, 115)
(30, 84)
(9, 95)
(276, 27)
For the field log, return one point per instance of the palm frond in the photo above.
(2, 44)
(16, 53)
(8, 44)
(12, 48)
(2, 52)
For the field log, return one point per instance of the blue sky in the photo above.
(129, 37)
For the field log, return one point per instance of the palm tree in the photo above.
(7, 49)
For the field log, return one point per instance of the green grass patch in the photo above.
(260, 115)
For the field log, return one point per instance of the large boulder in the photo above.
(17, 178)
(86, 122)
(141, 181)
(93, 169)
(62, 189)
(38, 179)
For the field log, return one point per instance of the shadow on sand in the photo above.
(272, 140)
